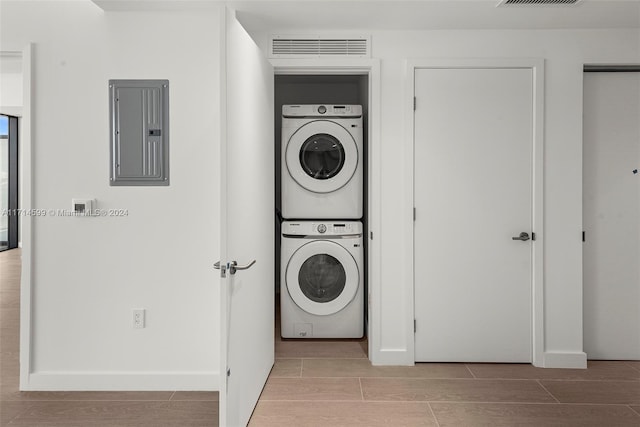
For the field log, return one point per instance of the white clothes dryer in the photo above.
(321, 288)
(322, 161)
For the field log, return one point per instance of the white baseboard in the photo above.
(577, 360)
(121, 381)
(392, 357)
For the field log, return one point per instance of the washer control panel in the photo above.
(316, 228)
(324, 110)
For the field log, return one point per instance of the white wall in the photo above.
(10, 82)
(565, 53)
(89, 273)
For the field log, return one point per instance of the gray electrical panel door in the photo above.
(139, 113)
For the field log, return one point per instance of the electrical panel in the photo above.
(139, 125)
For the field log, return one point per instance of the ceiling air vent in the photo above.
(538, 2)
(299, 47)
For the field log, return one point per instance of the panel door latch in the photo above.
(222, 268)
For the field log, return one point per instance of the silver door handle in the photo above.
(523, 236)
(233, 267)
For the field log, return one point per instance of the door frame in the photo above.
(25, 202)
(537, 253)
(371, 68)
(597, 68)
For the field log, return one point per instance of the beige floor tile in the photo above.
(335, 414)
(611, 392)
(338, 349)
(123, 413)
(106, 396)
(635, 364)
(10, 318)
(10, 270)
(532, 415)
(284, 368)
(9, 386)
(364, 368)
(383, 389)
(312, 389)
(9, 363)
(9, 339)
(596, 370)
(210, 396)
(10, 410)
(9, 281)
(10, 299)
(9, 383)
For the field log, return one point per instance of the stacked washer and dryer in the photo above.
(322, 253)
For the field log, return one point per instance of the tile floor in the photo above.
(331, 383)
(307, 388)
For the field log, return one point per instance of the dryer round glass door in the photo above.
(322, 277)
(321, 156)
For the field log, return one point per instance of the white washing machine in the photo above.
(321, 287)
(322, 161)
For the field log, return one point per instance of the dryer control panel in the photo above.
(321, 228)
(321, 110)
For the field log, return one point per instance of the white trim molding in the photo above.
(118, 381)
(537, 280)
(577, 360)
(11, 111)
(26, 222)
(370, 67)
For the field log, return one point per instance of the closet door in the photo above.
(473, 228)
(611, 215)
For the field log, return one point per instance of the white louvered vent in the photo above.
(538, 2)
(296, 47)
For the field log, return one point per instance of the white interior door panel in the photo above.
(473, 194)
(247, 226)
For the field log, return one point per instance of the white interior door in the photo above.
(247, 226)
(611, 215)
(473, 194)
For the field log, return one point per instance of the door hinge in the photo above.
(228, 372)
(533, 237)
(371, 235)
(584, 236)
(415, 327)
(414, 103)
(414, 213)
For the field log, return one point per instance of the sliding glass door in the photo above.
(9, 213)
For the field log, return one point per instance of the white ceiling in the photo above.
(318, 15)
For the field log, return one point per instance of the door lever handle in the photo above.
(523, 237)
(233, 267)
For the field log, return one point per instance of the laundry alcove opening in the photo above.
(318, 89)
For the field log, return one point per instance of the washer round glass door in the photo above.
(321, 156)
(322, 277)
